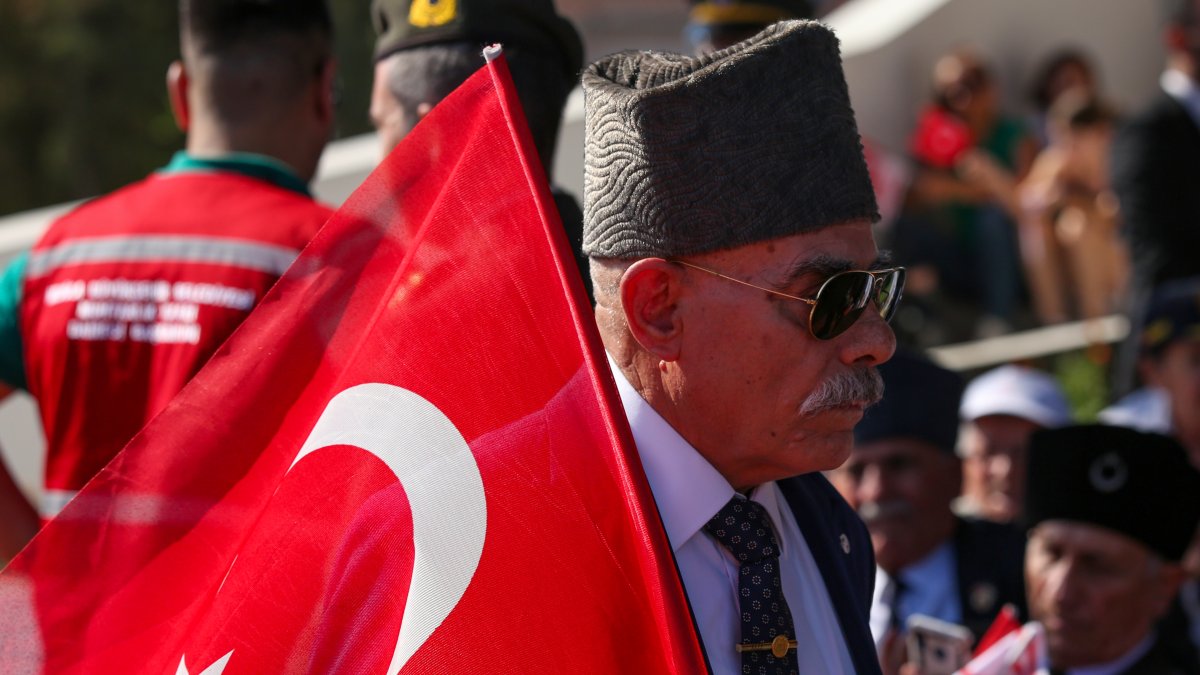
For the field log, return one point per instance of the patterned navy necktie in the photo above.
(768, 638)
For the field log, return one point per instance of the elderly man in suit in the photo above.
(744, 307)
(902, 476)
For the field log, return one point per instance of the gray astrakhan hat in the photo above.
(688, 155)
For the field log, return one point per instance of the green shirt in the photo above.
(12, 352)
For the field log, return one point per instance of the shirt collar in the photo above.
(249, 164)
(1183, 89)
(769, 496)
(687, 489)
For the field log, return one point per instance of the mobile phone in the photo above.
(937, 647)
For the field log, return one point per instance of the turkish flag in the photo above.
(410, 457)
(1018, 652)
(1006, 622)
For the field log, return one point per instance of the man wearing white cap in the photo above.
(1000, 410)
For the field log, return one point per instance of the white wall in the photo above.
(889, 47)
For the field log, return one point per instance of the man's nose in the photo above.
(1000, 466)
(1061, 583)
(870, 341)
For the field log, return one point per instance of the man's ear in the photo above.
(650, 291)
(423, 109)
(177, 94)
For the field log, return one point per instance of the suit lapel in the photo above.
(815, 515)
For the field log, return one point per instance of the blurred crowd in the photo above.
(980, 490)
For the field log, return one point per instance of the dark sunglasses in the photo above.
(841, 299)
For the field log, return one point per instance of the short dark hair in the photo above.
(957, 76)
(268, 50)
(429, 73)
(1041, 91)
(215, 25)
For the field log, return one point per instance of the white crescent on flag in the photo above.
(432, 460)
(217, 668)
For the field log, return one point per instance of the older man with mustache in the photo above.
(1110, 512)
(902, 477)
(744, 307)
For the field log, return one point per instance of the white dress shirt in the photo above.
(689, 492)
(1183, 89)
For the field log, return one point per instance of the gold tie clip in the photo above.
(778, 647)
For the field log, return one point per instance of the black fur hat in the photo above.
(1138, 484)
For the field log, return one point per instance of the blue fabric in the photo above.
(743, 527)
(930, 587)
(12, 352)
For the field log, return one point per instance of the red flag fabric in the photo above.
(1019, 652)
(1006, 622)
(410, 457)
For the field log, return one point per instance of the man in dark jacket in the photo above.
(1156, 161)
(1155, 171)
(902, 476)
(1110, 513)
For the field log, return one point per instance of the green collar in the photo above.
(248, 164)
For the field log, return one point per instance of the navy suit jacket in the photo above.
(991, 571)
(841, 546)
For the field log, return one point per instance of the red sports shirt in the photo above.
(127, 297)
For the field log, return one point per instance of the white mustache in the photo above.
(861, 386)
(873, 511)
